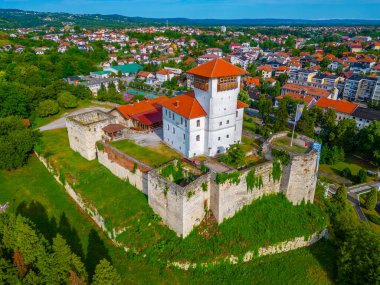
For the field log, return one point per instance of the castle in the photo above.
(204, 122)
(209, 119)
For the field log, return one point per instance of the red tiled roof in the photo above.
(253, 80)
(240, 104)
(266, 68)
(139, 109)
(295, 88)
(341, 106)
(185, 105)
(217, 68)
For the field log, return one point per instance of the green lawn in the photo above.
(352, 162)
(284, 143)
(314, 265)
(153, 156)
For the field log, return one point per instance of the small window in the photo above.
(168, 126)
(173, 130)
(218, 138)
(181, 120)
(198, 138)
(237, 114)
(198, 123)
(228, 121)
(166, 112)
(184, 136)
(220, 123)
(228, 136)
(186, 123)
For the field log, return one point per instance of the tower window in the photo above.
(228, 121)
(198, 123)
(220, 123)
(218, 138)
(228, 136)
(198, 138)
(173, 130)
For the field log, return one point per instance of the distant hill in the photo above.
(13, 18)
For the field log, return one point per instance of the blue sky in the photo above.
(218, 9)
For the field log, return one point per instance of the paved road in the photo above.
(353, 195)
(61, 122)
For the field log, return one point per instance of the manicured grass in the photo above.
(153, 156)
(314, 265)
(352, 162)
(285, 144)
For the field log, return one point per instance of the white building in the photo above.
(209, 119)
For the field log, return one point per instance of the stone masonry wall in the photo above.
(228, 198)
(181, 208)
(125, 167)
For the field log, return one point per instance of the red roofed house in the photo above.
(317, 93)
(309, 101)
(343, 108)
(266, 71)
(164, 75)
(209, 119)
(143, 115)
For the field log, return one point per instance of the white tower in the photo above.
(216, 88)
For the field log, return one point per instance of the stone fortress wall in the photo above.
(183, 208)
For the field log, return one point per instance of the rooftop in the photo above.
(217, 68)
(185, 105)
(341, 106)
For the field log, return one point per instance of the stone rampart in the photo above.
(228, 198)
(124, 166)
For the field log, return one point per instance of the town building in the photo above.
(359, 88)
(209, 119)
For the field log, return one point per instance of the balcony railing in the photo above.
(203, 86)
(227, 86)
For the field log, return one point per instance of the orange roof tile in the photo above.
(217, 68)
(341, 106)
(129, 110)
(253, 80)
(240, 104)
(185, 105)
(313, 91)
(266, 68)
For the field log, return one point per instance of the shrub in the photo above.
(362, 176)
(67, 100)
(346, 172)
(371, 201)
(235, 156)
(47, 108)
(374, 219)
(232, 177)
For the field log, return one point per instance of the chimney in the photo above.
(176, 103)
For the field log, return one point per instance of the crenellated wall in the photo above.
(228, 198)
(181, 208)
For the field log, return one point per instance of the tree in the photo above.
(281, 117)
(47, 108)
(371, 201)
(244, 97)
(235, 155)
(369, 140)
(105, 274)
(16, 142)
(67, 100)
(344, 135)
(265, 108)
(306, 124)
